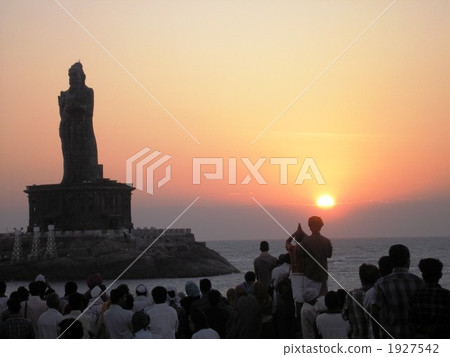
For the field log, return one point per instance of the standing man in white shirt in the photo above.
(117, 319)
(163, 318)
(308, 313)
(34, 307)
(49, 320)
(330, 324)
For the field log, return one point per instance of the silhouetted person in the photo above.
(49, 320)
(246, 319)
(15, 326)
(193, 294)
(342, 295)
(216, 314)
(34, 306)
(393, 293)
(205, 287)
(267, 310)
(7, 312)
(129, 299)
(24, 294)
(249, 281)
(232, 297)
(330, 324)
(359, 322)
(264, 264)
(76, 307)
(163, 318)
(142, 301)
(140, 323)
(285, 311)
(297, 259)
(70, 288)
(430, 306)
(318, 249)
(117, 319)
(385, 268)
(281, 270)
(385, 265)
(308, 313)
(200, 327)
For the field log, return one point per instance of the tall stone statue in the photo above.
(76, 106)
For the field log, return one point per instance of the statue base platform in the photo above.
(96, 205)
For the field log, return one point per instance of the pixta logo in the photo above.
(154, 160)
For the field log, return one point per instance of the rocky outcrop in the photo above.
(79, 257)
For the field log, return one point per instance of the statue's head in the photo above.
(76, 75)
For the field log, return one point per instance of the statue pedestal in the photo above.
(99, 205)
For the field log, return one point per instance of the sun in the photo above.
(325, 201)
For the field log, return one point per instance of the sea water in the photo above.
(343, 266)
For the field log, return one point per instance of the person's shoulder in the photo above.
(416, 279)
(127, 312)
(439, 290)
(322, 316)
(322, 319)
(273, 259)
(379, 283)
(107, 312)
(172, 310)
(167, 308)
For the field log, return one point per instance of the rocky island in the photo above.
(78, 256)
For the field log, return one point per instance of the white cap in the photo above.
(141, 289)
(40, 277)
(96, 291)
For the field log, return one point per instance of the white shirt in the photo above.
(279, 271)
(141, 302)
(332, 326)
(48, 323)
(118, 322)
(94, 311)
(33, 309)
(308, 317)
(143, 334)
(163, 320)
(206, 333)
(320, 304)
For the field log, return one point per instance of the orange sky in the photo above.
(376, 123)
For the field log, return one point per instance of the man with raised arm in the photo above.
(297, 275)
(317, 251)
